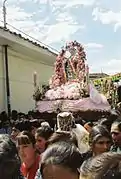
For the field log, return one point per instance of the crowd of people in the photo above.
(31, 148)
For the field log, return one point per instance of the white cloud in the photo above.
(65, 17)
(23, 21)
(40, 1)
(64, 27)
(61, 31)
(80, 2)
(18, 15)
(111, 66)
(71, 3)
(14, 1)
(53, 21)
(94, 45)
(107, 17)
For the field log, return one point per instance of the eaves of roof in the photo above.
(98, 74)
(28, 40)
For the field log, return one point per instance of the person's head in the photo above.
(26, 147)
(45, 124)
(4, 116)
(106, 123)
(19, 126)
(14, 114)
(34, 125)
(116, 132)
(105, 166)
(61, 137)
(61, 160)
(30, 115)
(100, 140)
(14, 132)
(9, 160)
(42, 135)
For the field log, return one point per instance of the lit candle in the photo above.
(35, 78)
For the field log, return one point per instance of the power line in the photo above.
(41, 43)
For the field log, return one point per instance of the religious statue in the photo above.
(70, 65)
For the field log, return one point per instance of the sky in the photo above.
(96, 24)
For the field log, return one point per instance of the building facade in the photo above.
(24, 58)
(94, 76)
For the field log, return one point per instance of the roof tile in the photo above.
(28, 40)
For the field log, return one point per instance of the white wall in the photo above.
(21, 81)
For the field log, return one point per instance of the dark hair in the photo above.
(14, 115)
(35, 123)
(104, 166)
(118, 122)
(25, 137)
(23, 125)
(97, 132)
(63, 154)
(63, 136)
(106, 122)
(4, 116)
(9, 160)
(45, 132)
(111, 167)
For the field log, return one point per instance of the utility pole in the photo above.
(7, 80)
(4, 14)
(6, 64)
